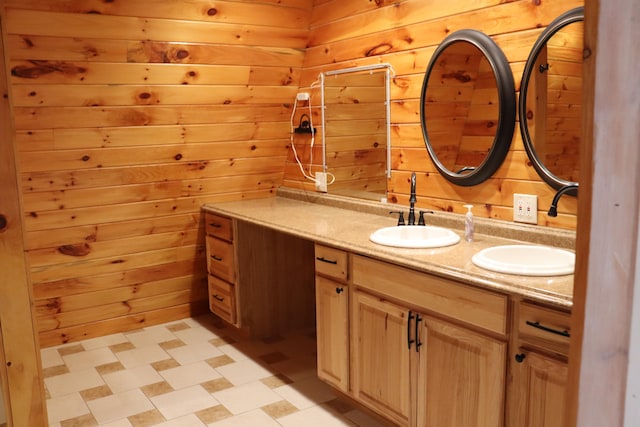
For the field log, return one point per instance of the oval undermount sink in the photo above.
(415, 236)
(526, 260)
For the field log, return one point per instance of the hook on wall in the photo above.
(304, 126)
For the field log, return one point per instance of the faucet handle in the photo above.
(400, 218)
(421, 217)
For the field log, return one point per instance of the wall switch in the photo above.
(321, 181)
(525, 208)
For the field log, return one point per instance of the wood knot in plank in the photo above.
(81, 249)
(41, 68)
(379, 49)
(461, 76)
(212, 11)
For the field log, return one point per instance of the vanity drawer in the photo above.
(220, 259)
(218, 226)
(331, 262)
(222, 299)
(544, 327)
(477, 307)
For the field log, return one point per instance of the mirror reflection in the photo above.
(468, 107)
(461, 107)
(356, 132)
(554, 102)
(550, 104)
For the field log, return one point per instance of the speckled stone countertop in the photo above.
(347, 223)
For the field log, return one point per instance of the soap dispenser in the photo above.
(468, 224)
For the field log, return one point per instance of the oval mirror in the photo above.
(468, 107)
(550, 106)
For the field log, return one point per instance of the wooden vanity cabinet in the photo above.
(426, 351)
(221, 266)
(538, 366)
(332, 315)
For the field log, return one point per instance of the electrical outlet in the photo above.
(321, 181)
(302, 96)
(525, 208)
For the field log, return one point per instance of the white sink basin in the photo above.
(526, 260)
(414, 236)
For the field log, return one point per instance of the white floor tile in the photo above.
(142, 356)
(194, 352)
(150, 335)
(189, 375)
(195, 335)
(233, 352)
(183, 402)
(314, 417)
(256, 418)
(65, 407)
(187, 421)
(60, 385)
(50, 357)
(246, 397)
(105, 341)
(296, 369)
(306, 393)
(129, 379)
(119, 406)
(243, 372)
(89, 359)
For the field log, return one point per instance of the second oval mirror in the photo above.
(551, 101)
(468, 107)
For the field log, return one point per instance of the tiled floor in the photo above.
(192, 372)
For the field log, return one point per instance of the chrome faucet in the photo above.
(553, 209)
(411, 220)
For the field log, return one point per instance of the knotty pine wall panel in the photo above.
(129, 115)
(348, 33)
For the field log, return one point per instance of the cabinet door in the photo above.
(541, 391)
(332, 331)
(380, 367)
(461, 377)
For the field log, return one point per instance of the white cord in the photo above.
(313, 138)
(293, 145)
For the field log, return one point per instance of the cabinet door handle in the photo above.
(520, 357)
(548, 329)
(339, 290)
(328, 261)
(215, 225)
(216, 257)
(219, 298)
(409, 340)
(418, 343)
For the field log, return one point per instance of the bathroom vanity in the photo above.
(419, 336)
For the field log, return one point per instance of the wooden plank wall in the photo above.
(129, 116)
(347, 33)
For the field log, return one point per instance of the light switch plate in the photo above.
(525, 208)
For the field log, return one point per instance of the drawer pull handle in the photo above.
(548, 329)
(215, 225)
(520, 357)
(418, 343)
(409, 340)
(328, 261)
(219, 298)
(339, 290)
(216, 257)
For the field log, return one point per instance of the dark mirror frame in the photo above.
(573, 15)
(507, 108)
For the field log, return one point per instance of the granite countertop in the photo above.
(347, 223)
